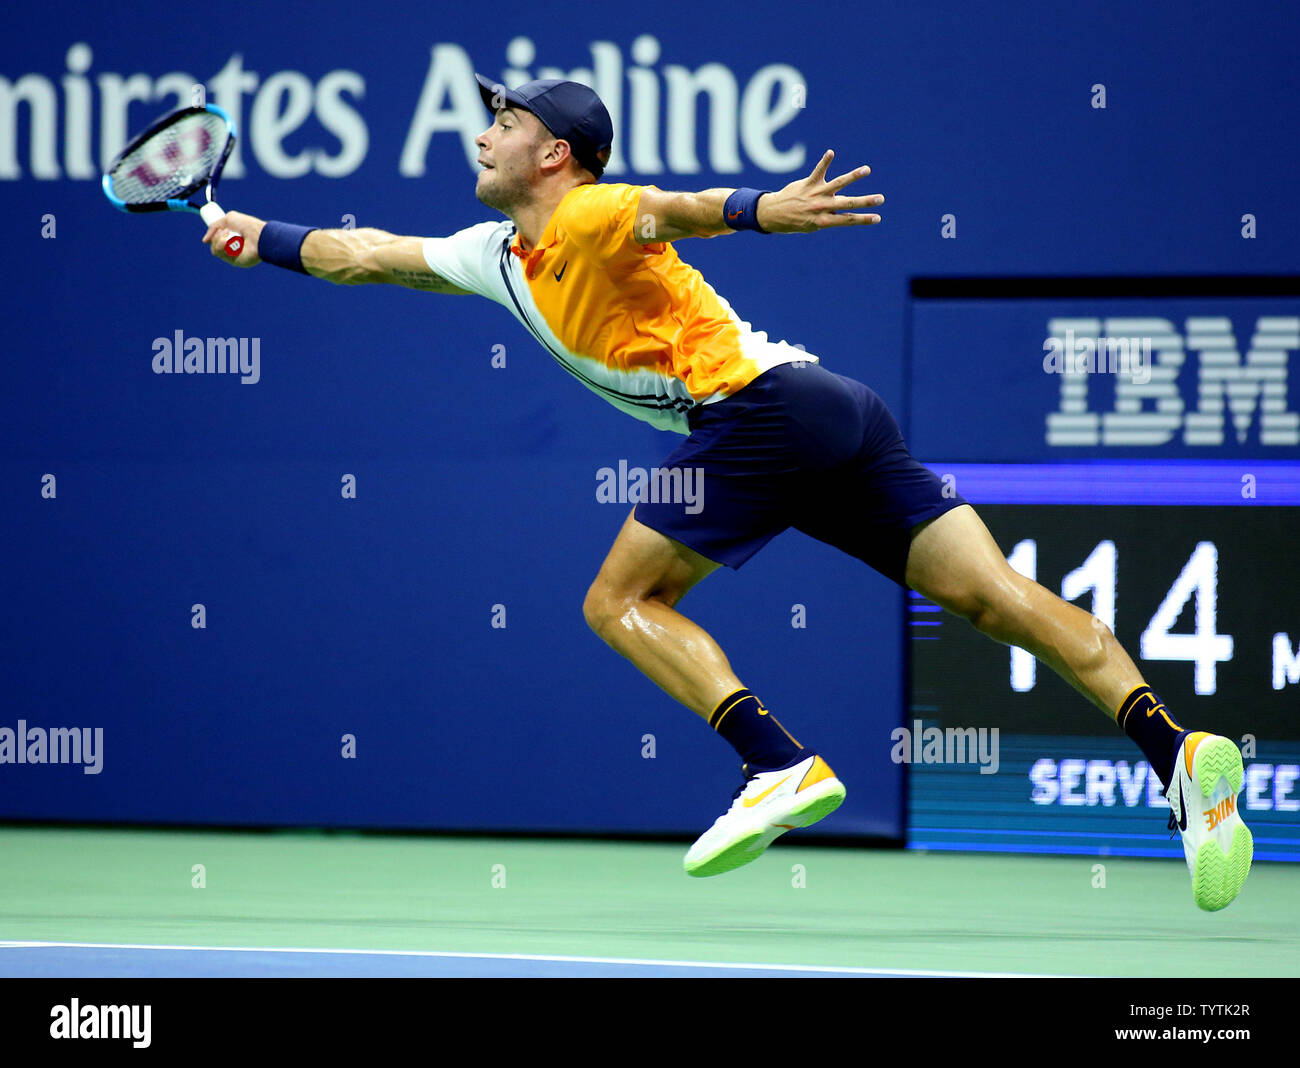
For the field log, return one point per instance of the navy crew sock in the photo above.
(754, 733)
(1144, 718)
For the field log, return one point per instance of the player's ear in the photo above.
(557, 155)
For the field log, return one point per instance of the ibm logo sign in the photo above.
(1149, 408)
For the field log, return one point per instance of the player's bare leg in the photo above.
(631, 605)
(955, 562)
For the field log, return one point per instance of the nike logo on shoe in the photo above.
(1218, 813)
(750, 802)
(743, 833)
(1208, 776)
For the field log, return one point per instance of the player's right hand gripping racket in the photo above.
(174, 166)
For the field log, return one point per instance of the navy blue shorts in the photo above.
(806, 448)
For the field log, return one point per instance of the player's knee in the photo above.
(969, 603)
(600, 609)
(593, 609)
(986, 617)
(1002, 610)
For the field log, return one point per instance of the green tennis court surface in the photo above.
(502, 902)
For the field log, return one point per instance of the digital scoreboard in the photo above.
(1195, 566)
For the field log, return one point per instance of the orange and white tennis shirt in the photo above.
(631, 322)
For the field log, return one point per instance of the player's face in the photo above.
(508, 157)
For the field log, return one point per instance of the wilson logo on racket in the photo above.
(173, 157)
(175, 166)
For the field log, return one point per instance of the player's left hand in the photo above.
(813, 203)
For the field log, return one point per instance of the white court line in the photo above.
(537, 957)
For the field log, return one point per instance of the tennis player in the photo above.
(591, 271)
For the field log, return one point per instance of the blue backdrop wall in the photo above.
(378, 617)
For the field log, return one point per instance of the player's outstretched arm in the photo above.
(345, 257)
(806, 204)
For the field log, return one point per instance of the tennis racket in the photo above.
(175, 165)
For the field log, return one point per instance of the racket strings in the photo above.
(172, 162)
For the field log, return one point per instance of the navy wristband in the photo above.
(741, 211)
(280, 243)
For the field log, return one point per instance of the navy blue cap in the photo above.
(570, 110)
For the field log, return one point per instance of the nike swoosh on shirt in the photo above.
(560, 274)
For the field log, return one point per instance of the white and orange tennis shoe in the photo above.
(1207, 778)
(763, 808)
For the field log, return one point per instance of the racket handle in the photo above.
(210, 213)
